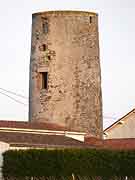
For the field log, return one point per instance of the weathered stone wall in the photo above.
(65, 44)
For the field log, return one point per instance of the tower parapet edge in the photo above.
(65, 75)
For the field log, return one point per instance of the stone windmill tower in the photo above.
(65, 78)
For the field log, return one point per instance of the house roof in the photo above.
(31, 125)
(16, 139)
(33, 134)
(119, 120)
(117, 144)
(121, 144)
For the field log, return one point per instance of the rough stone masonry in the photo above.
(65, 77)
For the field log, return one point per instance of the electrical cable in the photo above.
(13, 98)
(16, 94)
(20, 95)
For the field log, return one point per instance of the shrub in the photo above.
(66, 162)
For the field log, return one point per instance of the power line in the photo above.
(20, 95)
(13, 98)
(16, 94)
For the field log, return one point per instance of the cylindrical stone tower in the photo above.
(65, 77)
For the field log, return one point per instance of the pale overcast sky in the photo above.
(117, 51)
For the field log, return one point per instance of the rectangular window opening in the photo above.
(90, 19)
(44, 47)
(49, 57)
(44, 80)
(45, 27)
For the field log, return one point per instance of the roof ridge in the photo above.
(116, 122)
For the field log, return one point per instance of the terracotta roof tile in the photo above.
(35, 125)
(119, 144)
(122, 144)
(31, 125)
(39, 140)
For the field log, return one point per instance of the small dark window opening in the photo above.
(45, 18)
(44, 80)
(90, 19)
(49, 57)
(44, 47)
(45, 27)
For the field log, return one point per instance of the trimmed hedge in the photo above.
(66, 162)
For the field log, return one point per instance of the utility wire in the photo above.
(16, 94)
(20, 95)
(13, 98)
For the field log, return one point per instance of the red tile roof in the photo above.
(120, 144)
(31, 125)
(35, 125)
(39, 140)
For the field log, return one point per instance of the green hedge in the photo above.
(66, 162)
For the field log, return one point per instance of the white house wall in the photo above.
(124, 129)
(3, 147)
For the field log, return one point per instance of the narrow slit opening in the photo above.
(44, 80)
